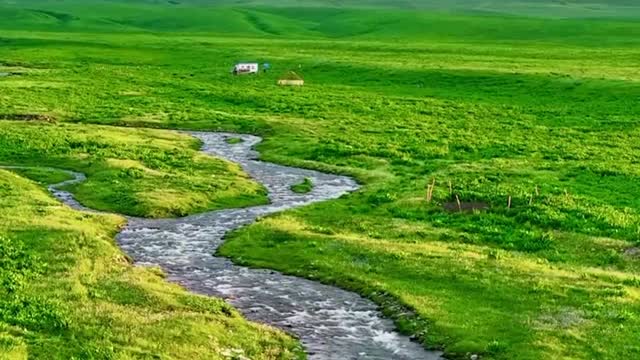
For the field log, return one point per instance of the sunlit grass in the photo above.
(536, 118)
(522, 297)
(130, 171)
(68, 292)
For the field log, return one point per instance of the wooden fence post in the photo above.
(430, 190)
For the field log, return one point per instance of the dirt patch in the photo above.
(465, 206)
(28, 117)
(563, 319)
(633, 252)
(10, 73)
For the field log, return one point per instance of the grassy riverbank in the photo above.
(68, 292)
(138, 172)
(531, 121)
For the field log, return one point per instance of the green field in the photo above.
(526, 112)
(69, 293)
(148, 173)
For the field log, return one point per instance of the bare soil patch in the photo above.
(563, 319)
(28, 117)
(465, 206)
(633, 252)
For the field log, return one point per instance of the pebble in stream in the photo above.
(331, 323)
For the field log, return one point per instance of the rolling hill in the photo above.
(545, 8)
(377, 20)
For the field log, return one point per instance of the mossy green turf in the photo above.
(234, 140)
(43, 176)
(68, 292)
(150, 173)
(543, 111)
(303, 187)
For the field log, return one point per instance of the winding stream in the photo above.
(331, 323)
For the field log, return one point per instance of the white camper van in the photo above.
(245, 68)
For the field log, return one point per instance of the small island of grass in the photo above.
(234, 140)
(304, 187)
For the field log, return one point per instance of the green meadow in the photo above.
(497, 144)
(69, 293)
(141, 172)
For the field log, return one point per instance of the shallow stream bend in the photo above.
(331, 323)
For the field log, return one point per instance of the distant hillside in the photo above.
(543, 8)
(555, 8)
(361, 19)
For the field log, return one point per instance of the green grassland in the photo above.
(68, 292)
(486, 105)
(538, 8)
(148, 173)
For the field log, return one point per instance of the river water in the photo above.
(331, 323)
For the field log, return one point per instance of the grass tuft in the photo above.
(303, 187)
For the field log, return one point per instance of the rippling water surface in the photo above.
(330, 322)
